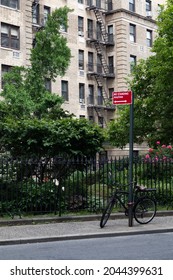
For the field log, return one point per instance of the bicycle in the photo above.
(144, 207)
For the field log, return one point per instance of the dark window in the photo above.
(110, 34)
(148, 5)
(90, 28)
(132, 5)
(35, 13)
(10, 3)
(64, 90)
(81, 93)
(80, 26)
(132, 62)
(90, 94)
(46, 13)
(111, 64)
(111, 90)
(4, 69)
(90, 61)
(101, 122)
(10, 36)
(132, 33)
(81, 59)
(48, 84)
(100, 96)
(149, 38)
(80, 1)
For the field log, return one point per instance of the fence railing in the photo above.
(61, 185)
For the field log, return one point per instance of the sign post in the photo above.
(127, 98)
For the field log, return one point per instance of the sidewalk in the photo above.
(18, 231)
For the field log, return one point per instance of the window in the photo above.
(90, 61)
(98, 3)
(110, 34)
(4, 69)
(64, 90)
(90, 94)
(10, 36)
(132, 33)
(111, 90)
(48, 84)
(10, 3)
(90, 28)
(82, 116)
(35, 13)
(110, 5)
(81, 93)
(132, 62)
(111, 64)
(80, 1)
(100, 96)
(99, 64)
(132, 5)
(99, 32)
(149, 38)
(91, 119)
(46, 13)
(81, 59)
(101, 122)
(80, 26)
(148, 5)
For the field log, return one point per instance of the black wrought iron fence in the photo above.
(61, 185)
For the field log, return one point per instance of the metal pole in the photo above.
(130, 198)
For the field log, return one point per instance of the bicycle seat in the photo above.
(142, 188)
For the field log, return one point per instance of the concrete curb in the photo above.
(81, 236)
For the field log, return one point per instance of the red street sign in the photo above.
(122, 97)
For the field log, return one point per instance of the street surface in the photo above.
(133, 247)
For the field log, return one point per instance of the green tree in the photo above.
(152, 85)
(32, 121)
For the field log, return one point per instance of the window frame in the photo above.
(132, 5)
(65, 90)
(16, 2)
(8, 38)
(132, 27)
(150, 38)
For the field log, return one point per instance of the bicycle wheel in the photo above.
(144, 210)
(106, 213)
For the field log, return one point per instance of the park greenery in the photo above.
(152, 86)
(32, 120)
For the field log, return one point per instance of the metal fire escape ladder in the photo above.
(98, 47)
(99, 18)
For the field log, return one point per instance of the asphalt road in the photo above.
(137, 247)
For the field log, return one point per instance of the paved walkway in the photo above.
(20, 231)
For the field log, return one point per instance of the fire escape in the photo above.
(101, 72)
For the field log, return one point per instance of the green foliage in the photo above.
(152, 86)
(32, 121)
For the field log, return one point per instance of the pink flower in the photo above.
(158, 142)
(163, 146)
(147, 156)
(169, 147)
(150, 150)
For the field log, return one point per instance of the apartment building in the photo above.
(106, 38)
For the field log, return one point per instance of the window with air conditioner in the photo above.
(81, 93)
(80, 26)
(81, 59)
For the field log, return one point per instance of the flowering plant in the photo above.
(162, 151)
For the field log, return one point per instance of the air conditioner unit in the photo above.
(81, 73)
(81, 100)
(149, 14)
(80, 33)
